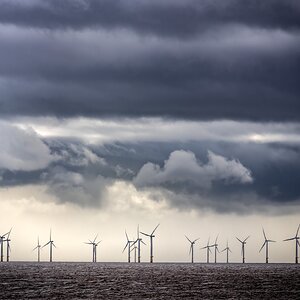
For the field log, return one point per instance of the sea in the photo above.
(60, 280)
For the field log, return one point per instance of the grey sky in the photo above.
(189, 60)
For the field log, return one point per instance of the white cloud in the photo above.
(97, 131)
(182, 167)
(22, 149)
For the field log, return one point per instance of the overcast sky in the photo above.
(184, 113)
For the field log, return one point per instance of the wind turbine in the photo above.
(139, 241)
(128, 245)
(94, 244)
(296, 238)
(8, 245)
(192, 247)
(151, 242)
(215, 245)
(38, 247)
(227, 249)
(243, 246)
(207, 247)
(266, 243)
(51, 243)
(1, 246)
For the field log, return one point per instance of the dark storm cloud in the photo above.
(178, 59)
(167, 17)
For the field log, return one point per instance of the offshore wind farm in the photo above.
(149, 149)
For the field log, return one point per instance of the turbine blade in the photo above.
(144, 233)
(35, 248)
(239, 240)
(229, 250)
(188, 239)
(133, 243)
(262, 246)
(126, 235)
(209, 249)
(138, 231)
(196, 240)
(155, 229)
(289, 239)
(264, 233)
(297, 230)
(224, 250)
(246, 238)
(95, 238)
(271, 241)
(125, 247)
(9, 233)
(46, 244)
(53, 245)
(216, 238)
(143, 243)
(190, 249)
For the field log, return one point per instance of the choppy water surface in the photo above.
(145, 281)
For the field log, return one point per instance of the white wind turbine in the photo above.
(243, 246)
(191, 252)
(128, 246)
(139, 241)
(207, 247)
(38, 248)
(8, 240)
(151, 242)
(95, 245)
(296, 238)
(227, 249)
(266, 244)
(215, 245)
(2, 238)
(51, 244)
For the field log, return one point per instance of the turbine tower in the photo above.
(227, 249)
(207, 247)
(296, 238)
(192, 247)
(2, 237)
(151, 242)
(243, 246)
(38, 247)
(50, 243)
(134, 249)
(8, 240)
(266, 243)
(128, 246)
(139, 241)
(215, 245)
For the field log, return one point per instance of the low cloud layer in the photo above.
(227, 176)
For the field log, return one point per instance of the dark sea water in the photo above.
(145, 281)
